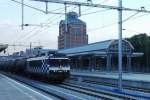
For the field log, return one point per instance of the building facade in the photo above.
(72, 32)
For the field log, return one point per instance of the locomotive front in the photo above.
(53, 67)
(59, 67)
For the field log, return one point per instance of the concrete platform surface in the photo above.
(13, 90)
(112, 75)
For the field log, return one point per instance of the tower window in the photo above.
(76, 31)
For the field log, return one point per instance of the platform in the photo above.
(129, 79)
(13, 90)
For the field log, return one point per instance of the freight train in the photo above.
(54, 67)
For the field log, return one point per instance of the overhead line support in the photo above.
(22, 6)
(120, 45)
(66, 26)
(79, 10)
(46, 3)
(37, 9)
(93, 5)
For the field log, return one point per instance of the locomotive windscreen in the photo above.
(59, 62)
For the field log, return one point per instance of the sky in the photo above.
(101, 23)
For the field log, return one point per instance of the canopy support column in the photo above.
(129, 66)
(108, 65)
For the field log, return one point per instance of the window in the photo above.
(59, 62)
(76, 31)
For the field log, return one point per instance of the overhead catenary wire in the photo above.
(104, 1)
(26, 44)
(85, 10)
(20, 45)
(105, 26)
(48, 19)
(27, 33)
(130, 17)
(103, 6)
(39, 31)
(95, 12)
(115, 23)
(32, 30)
(24, 35)
(130, 30)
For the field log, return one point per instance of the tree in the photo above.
(141, 43)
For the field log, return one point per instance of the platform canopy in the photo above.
(3, 47)
(99, 48)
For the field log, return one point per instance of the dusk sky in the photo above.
(101, 25)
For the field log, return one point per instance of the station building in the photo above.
(72, 32)
(101, 56)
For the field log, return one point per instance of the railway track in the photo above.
(100, 93)
(144, 94)
(144, 90)
(115, 86)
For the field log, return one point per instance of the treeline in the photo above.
(141, 43)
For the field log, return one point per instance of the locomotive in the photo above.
(54, 67)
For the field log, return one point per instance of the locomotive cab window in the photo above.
(59, 62)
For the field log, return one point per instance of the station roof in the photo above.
(95, 48)
(90, 47)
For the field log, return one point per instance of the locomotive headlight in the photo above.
(61, 67)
